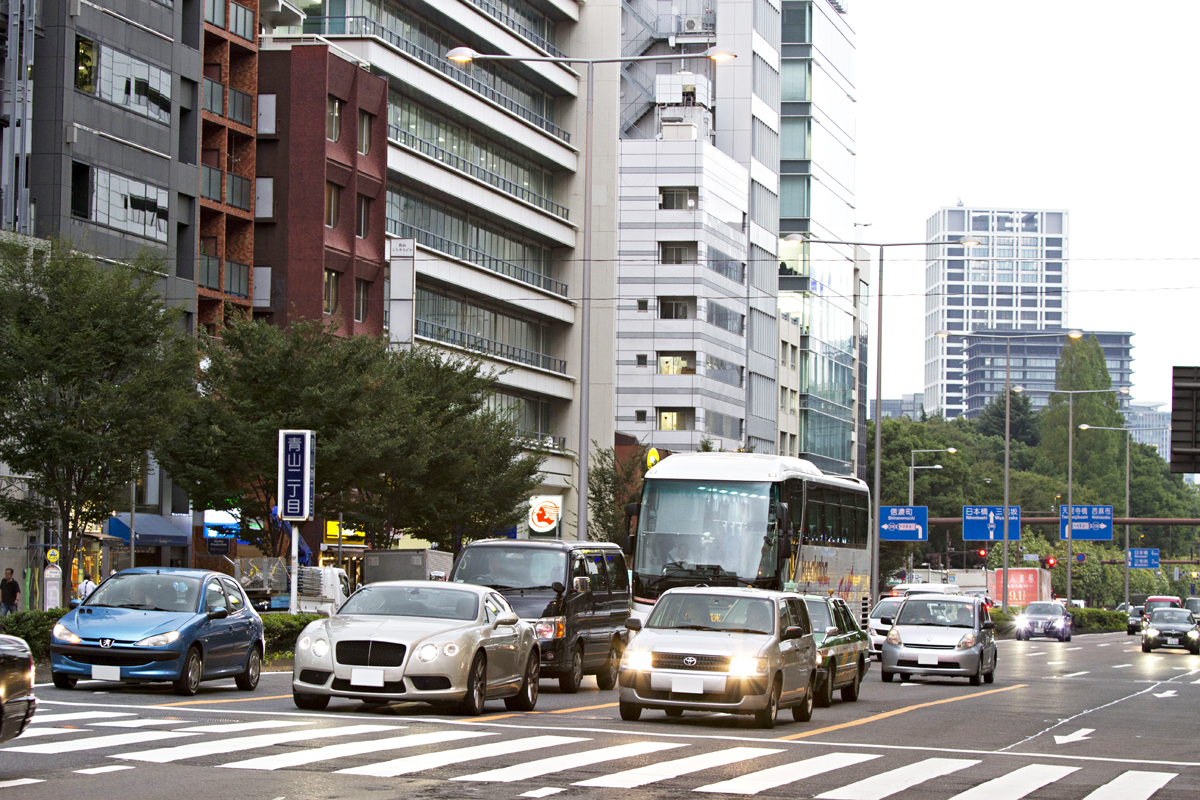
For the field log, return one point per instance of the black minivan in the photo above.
(576, 595)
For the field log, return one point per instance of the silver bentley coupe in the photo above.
(457, 645)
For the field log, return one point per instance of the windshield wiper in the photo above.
(527, 588)
(743, 630)
(691, 627)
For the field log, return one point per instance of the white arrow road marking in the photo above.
(1077, 736)
(1167, 693)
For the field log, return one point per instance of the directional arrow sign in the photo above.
(1077, 736)
(1167, 693)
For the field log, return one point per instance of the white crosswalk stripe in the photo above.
(98, 742)
(301, 758)
(33, 733)
(42, 719)
(1132, 785)
(1017, 784)
(138, 723)
(410, 764)
(782, 775)
(641, 776)
(889, 783)
(545, 766)
(237, 744)
(257, 725)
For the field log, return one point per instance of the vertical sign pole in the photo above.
(132, 523)
(295, 493)
(340, 541)
(1070, 486)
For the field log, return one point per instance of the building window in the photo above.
(126, 204)
(122, 80)
(333, 197)
(643, 305)
(673, 309)
(361, 288)
(362, 222)
(333, 119)
(679, 252)
(364, 132)
(85, 65)
(678, 197)
(642, 360)
(331, 291)
(639, 416)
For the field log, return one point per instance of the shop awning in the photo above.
(151, 530)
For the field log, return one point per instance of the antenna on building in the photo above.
(960, 202)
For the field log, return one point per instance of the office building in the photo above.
(1013, 279)
(695, 131)
(909, 405)
(1150, 425)
(1034, 366)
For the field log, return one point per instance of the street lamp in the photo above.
(464, 55)
(1008, 390)
(878, 479)
(1128, 512)
(912, 468)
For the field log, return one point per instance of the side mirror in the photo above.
(633, 509)
(988, 626)
(633, 624)
(831, 631)
(218, 613)
(886, 621)
(75, 601)
(793, 632)
(507, 618)
(581, 585)
(558, 587)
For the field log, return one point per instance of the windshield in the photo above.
(1153, 604)
(1171, 615)
(713, 612)
(1045, 609)
(1136, 611)
(818, 612)
(502, 567)
(940, 613)
(148, 592)
(412, 601)
(714, 532)
(886, 608)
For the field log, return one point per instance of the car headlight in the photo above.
(158, 640)
(968, 640)
(747, 665)
(1193, 633)
(304, 643)
(320, 648)
(893, 636)
(1151, 632)
(62, 633)
(1054, 623)
(637, 659)
(1021, 621)
(450, 650)
(427, 652)
(550, 627)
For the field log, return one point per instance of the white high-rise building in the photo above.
(1013, 279)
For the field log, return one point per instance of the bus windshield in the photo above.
(710, 532)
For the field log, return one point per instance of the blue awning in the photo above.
(152, 530)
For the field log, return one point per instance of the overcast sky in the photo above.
(1088, 106)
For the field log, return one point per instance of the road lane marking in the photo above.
(897, 780)
(1069, 649)
(1072, 674)
(1016, 784)
(78, 715)
(584, 708)
(546, 766)
(36, 732)
(1056, 662)
(164, 755)
(102, 770)
(411, 764)
(20, 782)
(96, 742)
(299, 758)
(632, 778)
(138, 723)
(775, 777)
(1038, 653)
(1106, 644)
(1121, 666)
(545, 791)
(236, 727)
(228, 700)
(1132, 785)
(874, 718)
(495, 716)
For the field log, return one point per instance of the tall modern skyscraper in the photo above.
(1012, 280)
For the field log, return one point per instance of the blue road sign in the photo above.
(1091, 523)
(904, 523)
(297, 475)
(1081, 557)
(1142, 558)
(986, 523)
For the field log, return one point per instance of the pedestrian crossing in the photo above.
(587, 760)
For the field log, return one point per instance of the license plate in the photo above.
(927, 660)
(366, 677)
(101, 672)
(1172, 641)
(687, 684)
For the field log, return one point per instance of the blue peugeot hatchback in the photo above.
(160, 624)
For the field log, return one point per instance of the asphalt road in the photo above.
(1092, 718)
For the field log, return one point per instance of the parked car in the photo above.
(17, 702)
(1134, 626)
(876, 630)
(734, 650)
(1045, 618)
(575, 594)
(843, 649)
(160, 624)
(1171, 627)
(426, 641)
(940, 635)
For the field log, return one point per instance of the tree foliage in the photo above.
(614, 481)
(1023, 422)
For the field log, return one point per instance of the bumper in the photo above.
(728, 693)
(877, 641)
(961, 663)
(339, 682)
(1182, 641)
(135, 663)
(1049, 633)
(17, 714)
(556, 655)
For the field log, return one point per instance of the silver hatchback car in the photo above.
(739, 651)
(939, 634)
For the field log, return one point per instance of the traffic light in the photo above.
(983, 552)
(1049, 561)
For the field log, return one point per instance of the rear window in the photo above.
(886, 608)
(502, 568)
(1153, 604)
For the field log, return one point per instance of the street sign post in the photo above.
(218, 546)
(904, 523)
(1081, 557)
(1031, 557)
(1091, 523)
(52, 555)
(297, 486)
(1142, 558)
(52, 581)
(986, 523)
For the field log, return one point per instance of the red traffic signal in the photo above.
(1050, 562)
(983, 552)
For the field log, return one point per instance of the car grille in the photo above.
(429, 683)
(109, 659)
(730, 697)
(390, 687)
(913, 663)
(317, 676)
(703, 663)
(929, 646)
(370, 654)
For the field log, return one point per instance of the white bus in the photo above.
(745, 519)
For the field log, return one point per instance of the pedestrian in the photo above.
(10, 593)
(86, 587)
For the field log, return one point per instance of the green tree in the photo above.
(613, 483)
(1023, 421)
(94, 372)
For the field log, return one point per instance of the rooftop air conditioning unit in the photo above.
(693, 24)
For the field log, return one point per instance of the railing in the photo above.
(214, 97)
(210, 183)
(241, 21)
(237, 279)
(214, 12)
(363, 26)
(726, 266)
(470, 341)
(241, 106)
(533, 440)
(456, 250)
(210, 272)
(238, 191)
(401, 136)
(514, 24)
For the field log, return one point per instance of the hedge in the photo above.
(1096, 620)
(282, 630)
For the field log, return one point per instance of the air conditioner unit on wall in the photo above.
(693, 24)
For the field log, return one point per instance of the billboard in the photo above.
(1025, 585)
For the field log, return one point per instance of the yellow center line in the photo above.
(494, 716)
(230, 700)
(584, 708)
(896, 712)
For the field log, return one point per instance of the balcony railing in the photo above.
(459, 251)
(238, 190)
(532, 440)
(210, 183)
(214, 97)
(362, 26)
(237, 279)
(241, 21)
(728, 267)
(210, 272)
(241, 106)
(214, 12)
(470, 341)
(514, 24)
(401, 136)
